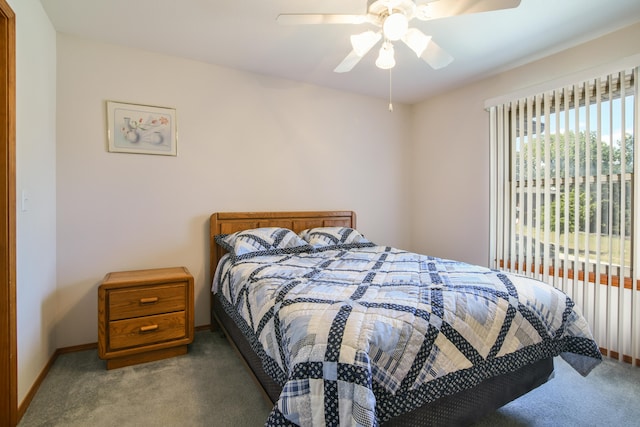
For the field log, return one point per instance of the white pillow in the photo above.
(321, 237)
(261, 240)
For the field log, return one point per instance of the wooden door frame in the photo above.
(8, 328)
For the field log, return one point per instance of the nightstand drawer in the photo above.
(146, 330)
(144, 301)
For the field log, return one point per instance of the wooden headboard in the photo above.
(230, 222)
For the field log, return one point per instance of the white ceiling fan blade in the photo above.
(310, 18)
(416, 40)
(348, 63)
(435, 56)
(362, 43)
(444, 8)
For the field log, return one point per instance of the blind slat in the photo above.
(623, 199)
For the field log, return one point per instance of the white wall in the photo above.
(35, 174)
(246, 143)
(450, 138)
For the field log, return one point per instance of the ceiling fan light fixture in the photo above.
(385, 59)
(395, 26)
(363, 42)
(416, 40)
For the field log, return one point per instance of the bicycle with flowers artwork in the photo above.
(142, 129)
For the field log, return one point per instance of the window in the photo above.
(565, 195)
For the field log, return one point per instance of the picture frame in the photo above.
(141, 129)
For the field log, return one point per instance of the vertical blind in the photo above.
(564, 199)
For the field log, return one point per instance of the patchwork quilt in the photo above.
(359, 335)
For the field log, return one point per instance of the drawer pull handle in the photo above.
(149, 328)
(151, 300)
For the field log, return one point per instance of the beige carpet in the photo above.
(207, 387)
(210, 387)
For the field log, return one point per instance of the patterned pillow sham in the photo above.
(258, 241)
(332, 237)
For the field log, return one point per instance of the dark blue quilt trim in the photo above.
(276, 316)
(336, 333)
(420, 360)
(495, 349)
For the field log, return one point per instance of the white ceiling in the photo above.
(244, 34)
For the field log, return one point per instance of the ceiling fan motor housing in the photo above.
(379, 10)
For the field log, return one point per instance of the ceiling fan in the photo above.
(392, 17)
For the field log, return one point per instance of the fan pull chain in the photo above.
(390, 92)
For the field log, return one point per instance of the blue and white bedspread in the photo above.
(358, 336)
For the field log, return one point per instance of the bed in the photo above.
(336, 356)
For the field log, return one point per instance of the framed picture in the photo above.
(142, 129)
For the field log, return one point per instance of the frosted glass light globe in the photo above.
(395, 26)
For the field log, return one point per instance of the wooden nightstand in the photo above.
(144, 315)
